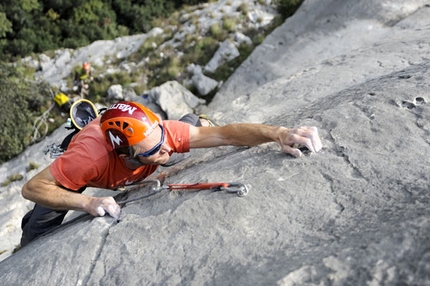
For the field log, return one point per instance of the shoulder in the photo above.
(91, 141)
(174, 125)
(176, 128)
(177, 135)
(87, 156)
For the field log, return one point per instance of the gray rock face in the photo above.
(226, 52)
(354, 214)
(321, 30)
(173, 99)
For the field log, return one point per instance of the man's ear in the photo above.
(125, 153)
(124, 156)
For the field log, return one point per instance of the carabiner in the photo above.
(240, 189)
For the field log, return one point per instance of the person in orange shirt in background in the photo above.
(82, 78)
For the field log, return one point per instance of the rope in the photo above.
(40, 126)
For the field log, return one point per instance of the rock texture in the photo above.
(354, 214)
(381, 31)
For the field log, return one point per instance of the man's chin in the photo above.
(161, 161)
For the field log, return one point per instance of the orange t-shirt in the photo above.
(91, 161)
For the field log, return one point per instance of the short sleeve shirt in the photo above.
(91, 161)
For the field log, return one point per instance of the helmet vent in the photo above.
(117, 123)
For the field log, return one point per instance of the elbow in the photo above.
(26, 192)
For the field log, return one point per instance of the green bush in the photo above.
(216, 31)
(32, 166)
(21, 101)
(243, 8)
(229, 24)
(287, 7)
(12, 178)
(16, 122)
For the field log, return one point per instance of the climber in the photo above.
(126, 144)
(83, 77)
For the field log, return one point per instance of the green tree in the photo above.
(51, 24)
(138, 14)
(5, 25)
(16, 118)
(29, 5)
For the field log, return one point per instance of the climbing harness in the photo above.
(233, 187)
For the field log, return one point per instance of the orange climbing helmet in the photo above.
(127, 123)
(86, 66)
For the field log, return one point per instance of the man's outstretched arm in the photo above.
(250, 134)
(43, 189)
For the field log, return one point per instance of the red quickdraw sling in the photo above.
(234, 187)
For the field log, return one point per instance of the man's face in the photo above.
(153, 150)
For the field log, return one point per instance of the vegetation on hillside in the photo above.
(35, 26)
(21, 101)
(30, 27)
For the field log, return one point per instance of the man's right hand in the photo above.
(43, 189)
(98, 206)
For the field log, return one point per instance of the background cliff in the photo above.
(356, 213)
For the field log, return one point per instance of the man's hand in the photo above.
(98, 206)
(306, 136)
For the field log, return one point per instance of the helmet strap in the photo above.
(133, 159)
(136, 162)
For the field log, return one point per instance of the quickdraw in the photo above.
(239, 188)
(235, 187)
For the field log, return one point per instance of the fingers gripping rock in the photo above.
(110, 206)
(114, 210)
(305, 136)
(315, 139)
(292, 151)
(101, 211)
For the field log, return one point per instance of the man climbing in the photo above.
(83, 77)
(127, 144)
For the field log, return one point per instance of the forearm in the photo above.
(237, 134)
(249, 134)
(43, 189)
(54, 197)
